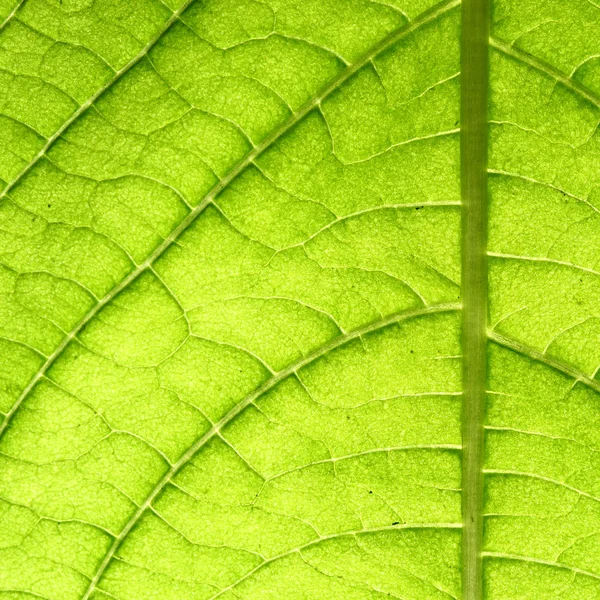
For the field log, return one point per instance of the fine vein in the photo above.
(240, 406)
(474, 85)
(546, 68)
(549, 361)
(424, 18)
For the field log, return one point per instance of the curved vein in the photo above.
(398, 144)
(399, 33)
(539, 561)
(540, 434)
(336, 459)
(543, 184)
(240, 406)
(546, 68)
(540, 478)
(542, 259)
(365, 211)
(83, 107)
(337, 536)
(11, 14)
(538, 356)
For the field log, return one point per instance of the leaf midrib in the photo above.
(475, 44)
(382, 45)
(473, 173)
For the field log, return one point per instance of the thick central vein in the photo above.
(474, 85)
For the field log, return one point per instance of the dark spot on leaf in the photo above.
(396, 523)
(49, 205)
(370, 492)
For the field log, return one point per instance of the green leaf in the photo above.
(299, 300)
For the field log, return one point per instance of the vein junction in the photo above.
(246, 281)
(249, 314)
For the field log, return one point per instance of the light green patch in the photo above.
(290, 309)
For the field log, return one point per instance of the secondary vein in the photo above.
(90, 101)
(546, 68)
(541, 357)
(238, 409)
(426, 17)
(474, 87)
(11, 14)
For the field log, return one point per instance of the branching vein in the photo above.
(426, 17)
(238, 408)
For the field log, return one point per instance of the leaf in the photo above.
(299, 300)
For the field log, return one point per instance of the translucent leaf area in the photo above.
(231, 319)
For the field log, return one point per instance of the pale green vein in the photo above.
(370, 210)
(337, 536)
(336, 459)
(11, 14)
(538, 433)
(240, 406)
(298, 550)
(539, 561)
(83, 107)
(549, 361)
(543, 259)
(401, 32)
(392, 147)
(546, 68)
(543, 184)
(540, 478)
(474, 143)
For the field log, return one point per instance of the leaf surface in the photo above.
(233, 242)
